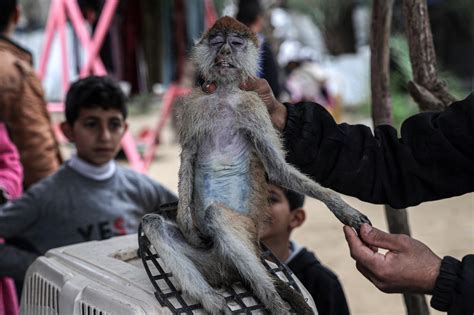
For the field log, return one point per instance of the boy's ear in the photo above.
(67, 131)
(298, 216)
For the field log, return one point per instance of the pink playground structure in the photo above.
(59, 12)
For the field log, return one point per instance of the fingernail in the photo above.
(366, 228)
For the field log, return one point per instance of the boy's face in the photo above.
(97, 134)
(281, 216)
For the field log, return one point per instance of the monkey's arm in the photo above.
(185, 190)
(259, 129)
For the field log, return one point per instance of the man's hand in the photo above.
(276, 109)
(408, 266)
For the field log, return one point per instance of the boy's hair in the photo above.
(93, 92)
(295, 200)
(248, 11)
(7, 7)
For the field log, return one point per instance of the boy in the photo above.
(287, 214)
(90, 197)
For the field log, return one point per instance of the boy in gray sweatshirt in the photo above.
(90, 197)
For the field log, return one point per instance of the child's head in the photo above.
(95, 118)
(94, 92)
(9, 15)
(286, 212)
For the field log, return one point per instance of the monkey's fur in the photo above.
(229, 148)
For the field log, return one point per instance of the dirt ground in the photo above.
(446, 226)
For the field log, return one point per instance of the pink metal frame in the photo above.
(59, 11)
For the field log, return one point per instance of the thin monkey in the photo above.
(230, 151)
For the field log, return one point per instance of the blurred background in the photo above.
(321, 53)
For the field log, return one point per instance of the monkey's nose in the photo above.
(225, 50)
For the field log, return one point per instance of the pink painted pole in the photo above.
(102, 27)
(168, 99)
(49, 34)
(63, 42)
(55, 107)
(210, 13)
(150, 143)
(79, 23)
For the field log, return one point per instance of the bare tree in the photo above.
(426, 88)
(382, 114)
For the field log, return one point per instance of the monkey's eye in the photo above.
(236, 41)
(216, 41)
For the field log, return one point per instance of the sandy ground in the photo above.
(446, 226)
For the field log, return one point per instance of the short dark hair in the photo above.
(93, 92)
(248, 11)
(7, 8)
(295, 200)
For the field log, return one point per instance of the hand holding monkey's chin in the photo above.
(277, 110)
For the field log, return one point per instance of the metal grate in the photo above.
(239, 299)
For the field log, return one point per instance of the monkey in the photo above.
(229, 152)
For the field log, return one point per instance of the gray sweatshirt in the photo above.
(68, 208)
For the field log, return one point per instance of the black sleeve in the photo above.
(433, 159)
(270, 68)
(14, 262)
(454, 288)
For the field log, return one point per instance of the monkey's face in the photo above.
(227, 53)
(227, 47)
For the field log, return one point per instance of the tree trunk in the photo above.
(382, 114)
(426, 89)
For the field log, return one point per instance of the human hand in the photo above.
(408, 266)
(276, 109)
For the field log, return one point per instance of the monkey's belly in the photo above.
(223, 183)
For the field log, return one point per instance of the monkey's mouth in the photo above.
(224, 64)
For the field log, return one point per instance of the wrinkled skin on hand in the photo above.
(276, 109)
(408, 266)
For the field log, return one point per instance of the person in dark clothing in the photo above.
(433, 159)
(286, 214)
(250, 13)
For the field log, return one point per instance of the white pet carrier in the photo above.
(108, 277)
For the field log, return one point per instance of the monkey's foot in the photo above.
(295, 299)
(356, 220)
(215, 304)
(352, 217)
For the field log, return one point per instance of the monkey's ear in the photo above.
(298, 216)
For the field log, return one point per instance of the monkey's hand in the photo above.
(277, 110)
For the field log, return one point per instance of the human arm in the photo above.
(433, 159)
(409, 266)
(15, 218)
(11, 171)
(14, 261)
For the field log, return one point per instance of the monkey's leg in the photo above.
(236, 245)
(177, 255)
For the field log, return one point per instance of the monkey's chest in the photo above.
(222, 175)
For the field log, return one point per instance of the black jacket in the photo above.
(433, 159)
(321, 283)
